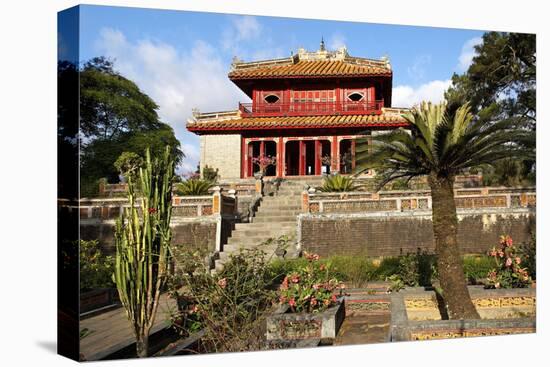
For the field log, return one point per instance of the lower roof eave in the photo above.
(206, 130)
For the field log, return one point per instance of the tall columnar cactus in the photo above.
(142, 238)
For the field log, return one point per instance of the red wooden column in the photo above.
(352, 155)
(243, 158)
(318, 151)
(250, 168)
(302, 158)
(335, 155)
(280, 157)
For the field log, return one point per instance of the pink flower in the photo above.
(282, 299)
(313, 301)
(284, 284)
(322, 267)
(295, 278)
(333, 298)
(222, 283)
(292, 302)
(509, 262)
(518, 260)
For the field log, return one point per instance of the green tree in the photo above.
(442, 142)
(500, 84)
(116, 117)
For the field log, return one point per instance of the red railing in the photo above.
(259, 109)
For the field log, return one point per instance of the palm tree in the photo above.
(442, 142)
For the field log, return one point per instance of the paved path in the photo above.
(111, 331)
(364, 329)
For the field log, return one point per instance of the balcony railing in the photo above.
(260, 109)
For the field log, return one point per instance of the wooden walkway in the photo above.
(110, 332)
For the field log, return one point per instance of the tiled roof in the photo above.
(313, 68)
(297, 122)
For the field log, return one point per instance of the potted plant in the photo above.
(311, 305)
(263, 162)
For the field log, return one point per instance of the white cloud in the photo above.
(467, 54)
(417, 70)
(336, 41)
(177, 81)
(407, 96)
(243, 28)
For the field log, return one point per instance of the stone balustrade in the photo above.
(182, 206)
(402, 201)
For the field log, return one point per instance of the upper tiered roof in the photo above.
(321, 63)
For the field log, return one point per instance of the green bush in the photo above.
(309, 288)
(96, 269)
(509, 269)
(193, 187)
(338, 183)
(477, 267)
(209, 174)
(356, 270)
(529, 251)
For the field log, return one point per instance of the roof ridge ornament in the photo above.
(322, 45)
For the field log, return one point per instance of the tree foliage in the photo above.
(116, 117)
(501, 84)
(443, 140)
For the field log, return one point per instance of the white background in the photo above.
(28, 181)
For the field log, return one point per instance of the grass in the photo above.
(358, 270)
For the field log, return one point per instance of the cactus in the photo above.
(142, 239)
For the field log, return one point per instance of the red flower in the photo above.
(292, 302)
(333, 298)
(152, 210)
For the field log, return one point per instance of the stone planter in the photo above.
(284, 326)
(97, 298)
(417, 314)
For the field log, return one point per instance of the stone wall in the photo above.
(222, 152)
(194, 233)
(395, 233)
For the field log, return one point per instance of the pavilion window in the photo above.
(356, 96)
(271, 98)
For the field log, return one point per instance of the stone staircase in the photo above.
(275, 217)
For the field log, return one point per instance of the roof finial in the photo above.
(322, 48)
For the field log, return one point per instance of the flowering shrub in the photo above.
(263, 162)
(309, 288)
(508, 272)
(229, 305)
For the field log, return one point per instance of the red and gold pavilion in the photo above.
(307, 110)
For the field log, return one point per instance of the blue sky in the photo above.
(181, 59)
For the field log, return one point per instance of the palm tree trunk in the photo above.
(449, 261)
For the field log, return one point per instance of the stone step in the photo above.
(278, 205)
(231, 249)
(277, 213)
(282, 218)
(240, 226)
(258, 232)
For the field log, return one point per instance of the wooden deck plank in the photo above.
(111, 331)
